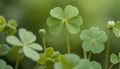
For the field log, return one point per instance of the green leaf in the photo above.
(85, 35)
(72, 28)
(13, 41)
(76, 20)
(118, 24)
(102, 37)
(11, 30)
(3, 65)
(4, 49)
(49, 52)
(116, 32)
(57, 12)
(56, 29)
(97, 47)
(2, 23)
(36, 46)
(12, 23)
(42, 59)
(96, 65)
(94, 32)
(72, 60)
(27, 37)
(87, 46)
(56, 55)
(71, 11)
(52, 21)
(58, 65)
(30, 53)
(114, 59)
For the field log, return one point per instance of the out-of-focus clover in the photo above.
(9, 27)
(49, 57)
(69, 17)
(93, 40)
(3, 65)
(27, 43)
(114, 59)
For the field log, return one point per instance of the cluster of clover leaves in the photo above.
(68, 19)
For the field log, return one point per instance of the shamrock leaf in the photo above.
(114, 58)
(68, 17)
(27, 43)
(4, 49)
(93, 40)
(3, 65)
(9, 27)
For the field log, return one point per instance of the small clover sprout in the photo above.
(93, 40)
(3, 65)
(27, 43)
(49, 57)
(72, 61)
(9, 27)
(42, 31)
(114, 59)
(68, 17)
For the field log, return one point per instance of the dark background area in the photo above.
(32, 15)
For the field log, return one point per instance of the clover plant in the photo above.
(69, 18)
(25, 46)
(114, 59)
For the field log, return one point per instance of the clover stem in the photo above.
(108, 50)
(85, 55)
(17, 63)
(90, 54)
(44, 43)
(111, 66)
(119, 65)
(67, 39)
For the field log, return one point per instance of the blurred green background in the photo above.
(32, 15)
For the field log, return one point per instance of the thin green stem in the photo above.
(119, 65)
(85, 55)
(111, 66)
(44, 43)
(67, 39)
(90, 54)
(108, 50)
(17, 63)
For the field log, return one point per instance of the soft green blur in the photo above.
(32, 15)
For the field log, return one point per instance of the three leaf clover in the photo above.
(93, 40)
(3, 65)
(9, 27)
(72, 61)
(4, 49)
(114, 59)
(68, 17)
(27, 43)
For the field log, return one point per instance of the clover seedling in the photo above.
(49, 58)
(114, 59)
(68, 18)
(3, 65)
(93, 40)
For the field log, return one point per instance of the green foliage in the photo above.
(72, 61)
(68, 17)
(4, 49)
(9, 27)
(3, 65)
(114, 59)
(27, 43)
(93, 40)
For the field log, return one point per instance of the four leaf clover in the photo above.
(68, 17)
(93, 40)
(27, 43)
(9, 27)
